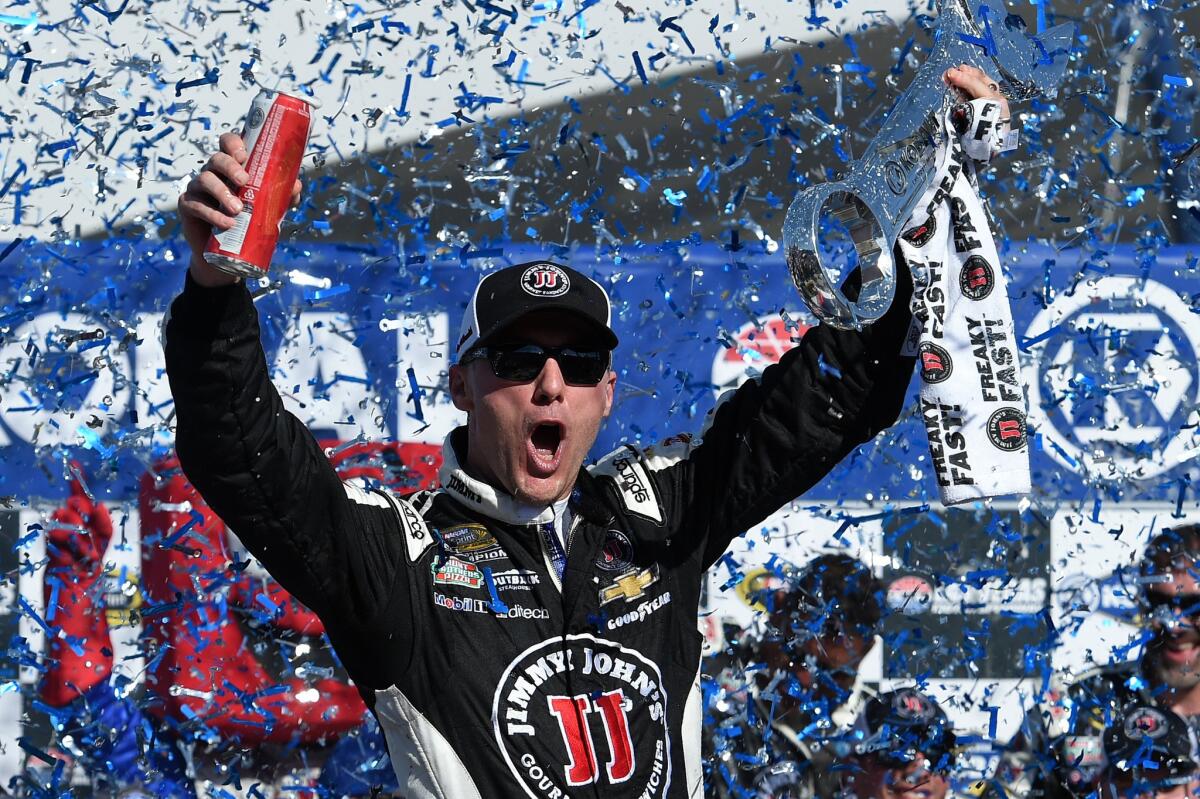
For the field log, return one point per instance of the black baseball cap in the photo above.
(1145, 738)
(898, 726)
(504, 296)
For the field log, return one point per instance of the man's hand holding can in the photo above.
(232, 209)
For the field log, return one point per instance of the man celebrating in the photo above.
(529, 628)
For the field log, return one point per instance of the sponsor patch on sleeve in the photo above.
(416, 534)
(625, 467)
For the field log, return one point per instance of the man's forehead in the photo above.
(551, 327)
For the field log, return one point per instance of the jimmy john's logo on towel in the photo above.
(936, 365)
(976, 279)
(1006, 429)
(919, 235)
(580, 715)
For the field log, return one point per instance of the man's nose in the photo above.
(549, 384)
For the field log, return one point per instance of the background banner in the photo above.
(991, 598)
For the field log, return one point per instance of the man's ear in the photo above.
(458, 389)
(610, 383)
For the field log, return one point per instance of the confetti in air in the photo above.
(655, 147)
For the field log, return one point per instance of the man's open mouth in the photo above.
(1180, 648)
(545, 448)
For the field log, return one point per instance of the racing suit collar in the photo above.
(481, 496)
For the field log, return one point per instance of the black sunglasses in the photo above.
(1158, 605)
(521, 363)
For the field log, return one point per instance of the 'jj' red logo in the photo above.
(572, 713)
(1006, 429)
(976, 279)
(545, 280)
(931, 361)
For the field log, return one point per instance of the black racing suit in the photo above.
(1058, 751)
(487, 678)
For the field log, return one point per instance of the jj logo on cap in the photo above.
(545, 280)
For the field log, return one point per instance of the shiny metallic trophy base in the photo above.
(867, 208)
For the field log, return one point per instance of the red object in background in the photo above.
(276, 134)
(204, 666)
(202, 663)
(81, 656)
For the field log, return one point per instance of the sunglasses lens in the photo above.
(1165, 609)
(582, 367)
(522, 363)
(518, 364)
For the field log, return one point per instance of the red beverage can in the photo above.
(276, 134)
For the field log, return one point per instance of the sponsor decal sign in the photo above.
(472, 542)
(640, 612)
(608, 704)
(515, 580)
(473, 605)
(453, 571)
(987, 578)
(545, 280)
(630, 586)
(1114, 381)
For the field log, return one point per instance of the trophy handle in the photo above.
(857, 235)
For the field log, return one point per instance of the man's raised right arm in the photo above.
(255, 464)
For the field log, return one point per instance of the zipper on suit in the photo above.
(548, 559)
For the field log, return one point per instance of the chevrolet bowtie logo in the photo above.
(630, 585)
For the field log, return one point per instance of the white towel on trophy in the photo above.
(972, 398)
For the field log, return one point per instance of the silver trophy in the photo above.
(861, 215)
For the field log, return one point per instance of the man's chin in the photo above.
(1177, 676)
(539, 490)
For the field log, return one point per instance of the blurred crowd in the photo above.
(789, 715)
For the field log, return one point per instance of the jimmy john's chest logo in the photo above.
(581, 714)
(617, 553)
